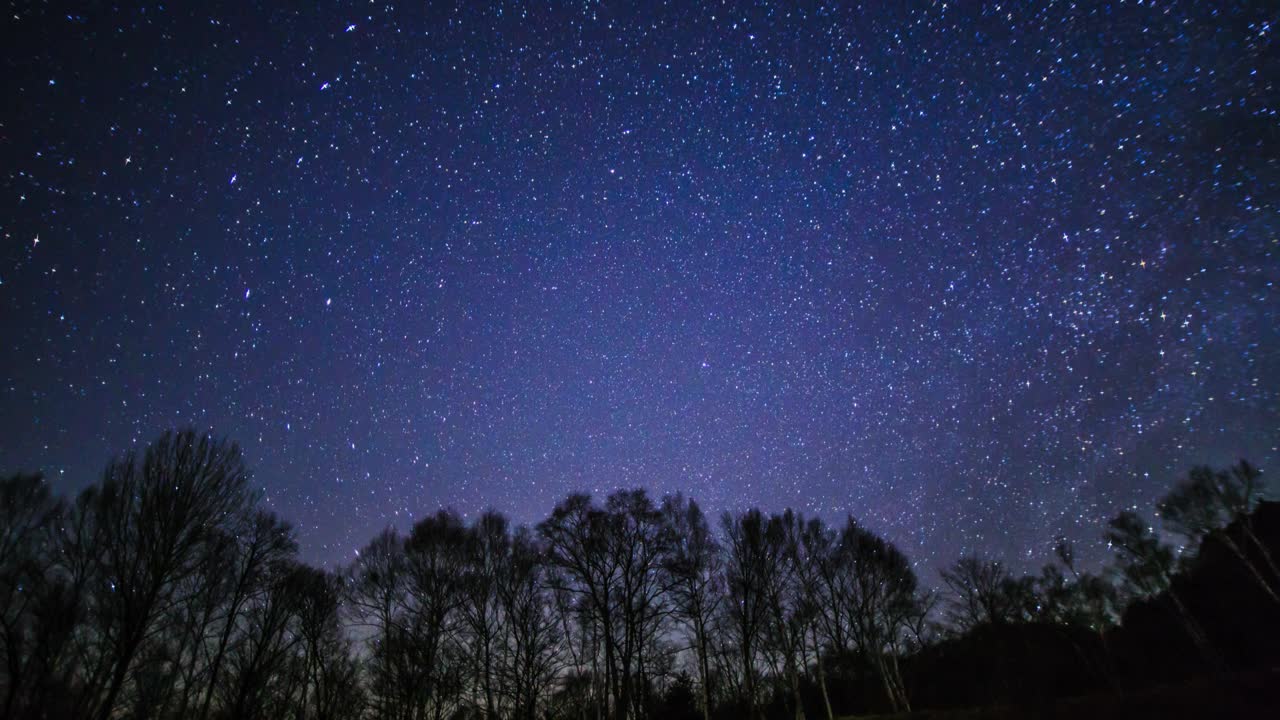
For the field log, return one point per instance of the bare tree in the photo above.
(1206, 502)
(746, 556)
(259, 662)
(163, 591)
(1067, 596)
(983, 592)
(195, 624)
(488, 553)
(877, 592)
(38, 608)
(153, 515)
(378, 594)
(585, 571)
(532, 643)
(638, 541)
(332, 680)
(435, 555)
(1146, 567)
(694, 565)
(788, 608)
(261, 544)
(820, 576)
(89, 654)
(610, 559)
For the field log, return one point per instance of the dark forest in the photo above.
(165, 590)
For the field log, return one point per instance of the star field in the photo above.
(976, 274)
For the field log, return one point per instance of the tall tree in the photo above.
(982, 592)
(435, 563)
(261, 657)
(578, 541)
(153, 517)
(789, 610)
(694, 565)
(820, 575)
(331, 688)
(260, 544)
(638, 541)
(1206, 502)
(378, 594)
(38, 608)
(531, 653)
(1146, 567)
(877, 591)
(746, 556)
(487, 561)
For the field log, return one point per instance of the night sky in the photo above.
(978, 275)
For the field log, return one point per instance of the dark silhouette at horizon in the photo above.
(165, 591)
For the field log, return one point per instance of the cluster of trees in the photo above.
(166, 591)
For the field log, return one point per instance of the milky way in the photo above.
(976, 275)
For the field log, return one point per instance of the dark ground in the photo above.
(1242, 695)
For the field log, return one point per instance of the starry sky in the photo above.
(978, 274)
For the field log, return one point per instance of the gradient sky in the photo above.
(976, 274)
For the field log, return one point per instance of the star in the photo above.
(902, 238)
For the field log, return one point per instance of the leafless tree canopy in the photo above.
(166, 591)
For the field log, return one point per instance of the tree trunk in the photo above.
(897, 681)
(490, 711)
(748, 680)
(128, 648)
(822, 676)
(1196, 632)
(1253, 569)
(701, 632)
(1262, 548)
(795, 688)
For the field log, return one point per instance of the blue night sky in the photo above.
(977, 274)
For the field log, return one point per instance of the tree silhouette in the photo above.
(435, 562)
(982, 592)
(878, 594)
(166, 591)
(746, 568)
(694, 566)
(153, 518)
(331, 685)
(1147, 568)
(531, 645)
(258, 547)
(1206, 502)
(37, 608)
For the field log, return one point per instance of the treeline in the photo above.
(165, 590)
